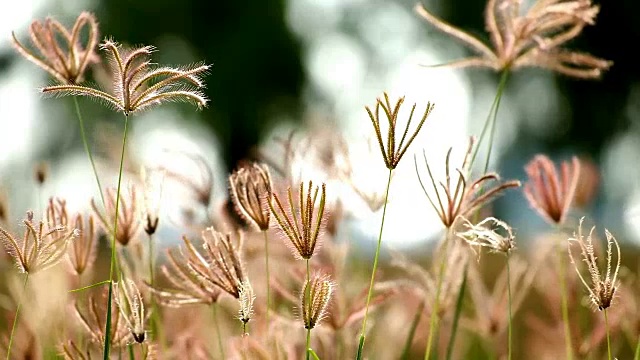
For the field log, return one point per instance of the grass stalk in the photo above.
(107, 337)
(510, 325)
(307, 295)
(218, 332)
(636, 356)
(436, 303)
(87, 149)
(373, 271)
(15, 319)
(406, 352)
(132, 356)
(458, 311)
(156, 329)
(606, 326)
(266, 264)
(565, 304)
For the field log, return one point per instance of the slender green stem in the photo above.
(107, 336)
(266, 264)
(491, 119)
(156, 329)
(510, 326)
(314, 355)
(307, 295)
(412, 331)
(15, 319)
(636, 356)
(458, 311)
(565, 305)
(606, 326)
(90, 286)
(373, 272)
(131, 354)
(218, 332)
(436, 302)
(308, 345)
(87, 149)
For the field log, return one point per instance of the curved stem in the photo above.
(308, 345)
(436, 303)
(510, 315)
(15, 320)
(565, 305)
(107, 336)
(373, 272)
(218, 332)
(266, 264)
(87, 149)
(606, 326)
(491, 119)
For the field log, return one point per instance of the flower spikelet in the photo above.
(66, 61)
(246, 300)
(551, 192)
(531, 38)
(392, 153)
(490, 233)
(40, 247)
(314, 299)
(137, 85)
(129, 301)
(250, 189)
(129, 222)
(603, 286)
(299, 224)
(221, 264)
(456, 196)
(187, 286)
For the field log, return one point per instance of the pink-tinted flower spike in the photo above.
(551, 193)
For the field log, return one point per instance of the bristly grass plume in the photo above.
(137, 85)
(531, 38)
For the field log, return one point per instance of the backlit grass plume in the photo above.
(137, 84)
(65, 60)
(603, 286)
(529, 38)
(129, 301)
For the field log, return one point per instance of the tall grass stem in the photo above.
(565, 304)
(458, 311)
(510, 325)
(436, 303)
(307, 295)
(107, 333)
(266, 264)
(606, 326)
(218, 332)
(15, 319)
(87, 149)
(373, 272)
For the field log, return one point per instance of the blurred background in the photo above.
(314, 65)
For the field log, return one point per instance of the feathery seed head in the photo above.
(137, 85)
(41, 246)
(393, 153)
(128, 215)
(603, 286)
(129, 301)
(491, 233)
(532, 39)
(221, 264)
(314, 299)
(298, 223)
(93, 319)
(551, 193)
(250, 189)
(66, 61)
(459, 198)
(246, 300)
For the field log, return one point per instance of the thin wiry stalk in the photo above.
(491, 120)
(218, 332)
(155, 314)
(107, 349)
(412, 331)
(87, 149)
(131, 355)
(509, 299)
(565, 305)
(266, 264)
(373, 272)
(307, 295)
(637, 353)
(436, 303)
(458, 310)
(15, 319)
(606, 326)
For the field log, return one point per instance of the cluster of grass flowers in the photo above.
(277, 280)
